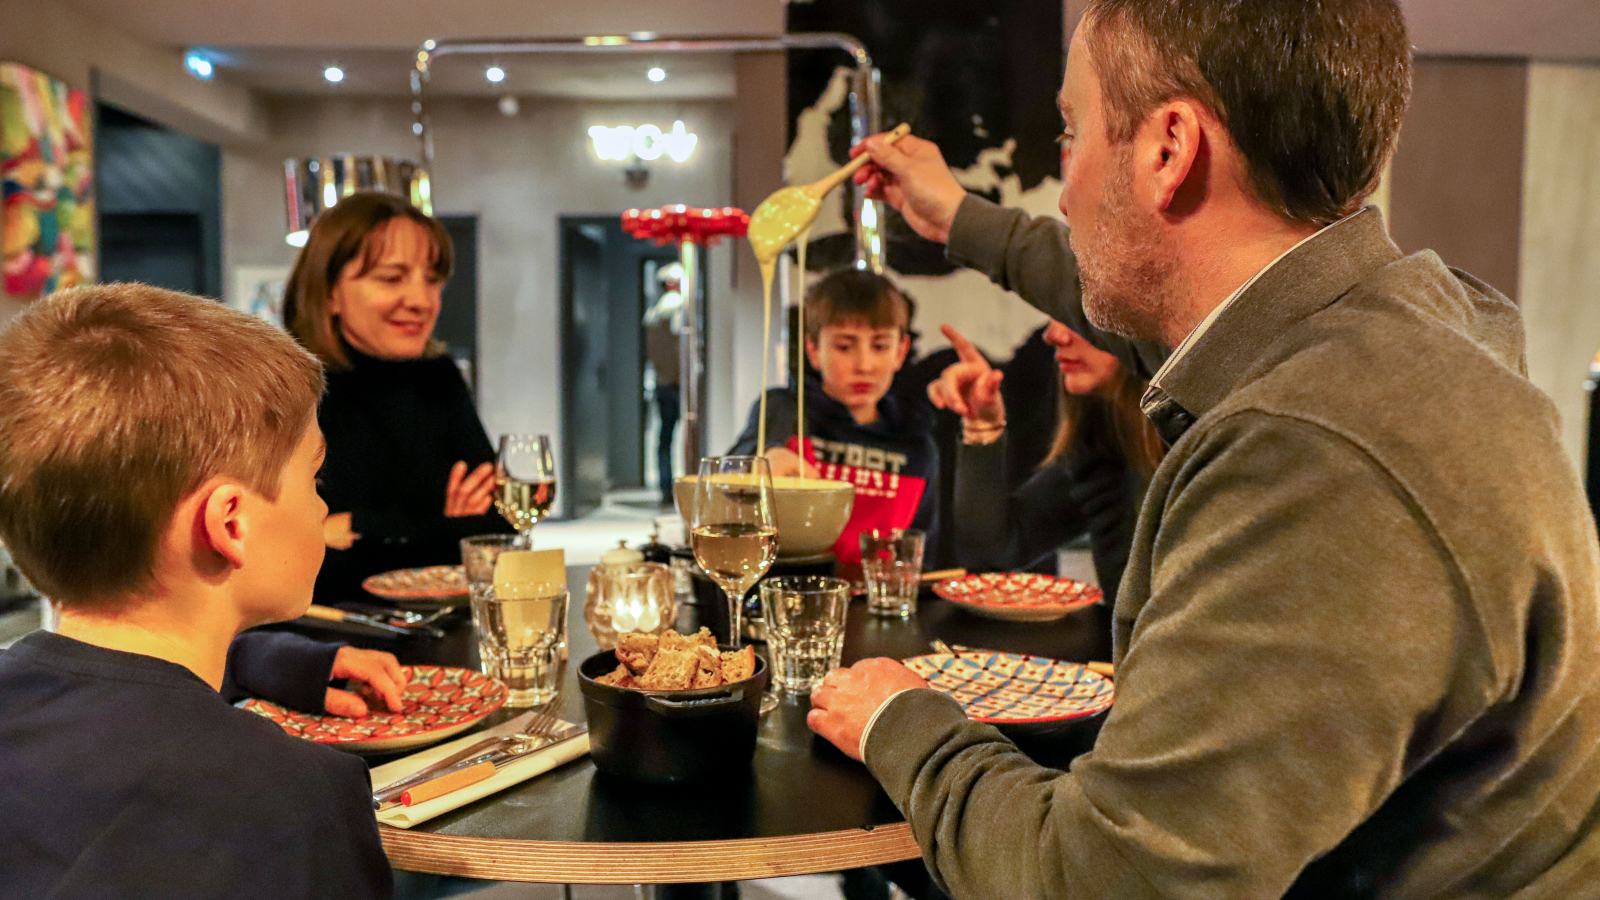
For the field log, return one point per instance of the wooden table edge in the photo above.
(584, 862)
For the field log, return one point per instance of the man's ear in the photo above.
(1172, 155)
(223, 522)
(905, 348)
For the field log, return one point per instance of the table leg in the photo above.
(727, 890)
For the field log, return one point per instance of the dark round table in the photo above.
(802, 807)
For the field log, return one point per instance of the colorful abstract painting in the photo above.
(47, 178)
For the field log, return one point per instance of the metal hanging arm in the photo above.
(866, 117)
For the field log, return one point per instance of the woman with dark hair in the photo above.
(410, 470)
(1091, 482)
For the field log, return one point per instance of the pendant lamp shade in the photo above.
(319, 183)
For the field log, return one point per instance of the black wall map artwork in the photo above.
(967, 75)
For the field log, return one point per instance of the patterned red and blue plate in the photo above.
(1008, 689)
(438, 584)
(439, 701)
(1019, 596)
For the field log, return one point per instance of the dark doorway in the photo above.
(163, 249)
(603, 295)
(159, 196)
(458, 311)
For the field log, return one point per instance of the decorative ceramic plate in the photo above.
(1010, 689)
(439, 701)
(1019, 596)
(440, 583)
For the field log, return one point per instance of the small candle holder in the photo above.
(633, 598)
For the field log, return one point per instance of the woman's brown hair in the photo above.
(338, 236)
(1112, 415)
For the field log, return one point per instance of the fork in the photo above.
(544, 726)
(486, 765)
(416, 619)
(941, 647)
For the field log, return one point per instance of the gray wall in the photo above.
(1456, 180)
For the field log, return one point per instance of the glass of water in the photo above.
(805, 629)
(521, 629)
(892, 565)
(521, 640)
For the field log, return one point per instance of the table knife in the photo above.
(333, 614)
(441, 783)
(490, 737)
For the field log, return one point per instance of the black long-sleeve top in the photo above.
(1090, 490)
(394, 429)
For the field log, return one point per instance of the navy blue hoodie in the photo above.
(893, 462)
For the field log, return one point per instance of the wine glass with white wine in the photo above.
(525, 482)
(734, 535)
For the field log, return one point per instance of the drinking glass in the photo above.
(479, 553)
(521, 630)
(522, 636)
(892, 564)
(805, 629)
(525, 482)
(733, 533)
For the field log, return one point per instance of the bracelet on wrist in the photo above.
(982, 434)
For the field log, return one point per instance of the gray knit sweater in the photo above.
(1357, 644)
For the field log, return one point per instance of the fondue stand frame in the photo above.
(865, 119)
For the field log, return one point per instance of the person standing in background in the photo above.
(662, 324)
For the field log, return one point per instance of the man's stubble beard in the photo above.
(1126, 264)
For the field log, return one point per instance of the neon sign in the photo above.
(644, 142)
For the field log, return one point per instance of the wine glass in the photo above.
(524, 482)
(733, 533)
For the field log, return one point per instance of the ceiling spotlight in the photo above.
(198, 66)
(334, 74)
(495, 74)
(656, 73)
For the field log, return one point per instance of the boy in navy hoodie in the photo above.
(857, 336)
(158, 462)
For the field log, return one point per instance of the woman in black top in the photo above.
(410, 470)
(1090, 483)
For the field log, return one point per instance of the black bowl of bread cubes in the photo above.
(673, 708)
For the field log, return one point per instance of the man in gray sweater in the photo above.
(1358, 640)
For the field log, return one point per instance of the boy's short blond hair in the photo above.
(856, 295)
(118, 400)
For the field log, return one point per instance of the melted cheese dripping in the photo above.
(800, 370)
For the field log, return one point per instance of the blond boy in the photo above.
(158, 461)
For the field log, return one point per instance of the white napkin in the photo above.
(536, 763)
